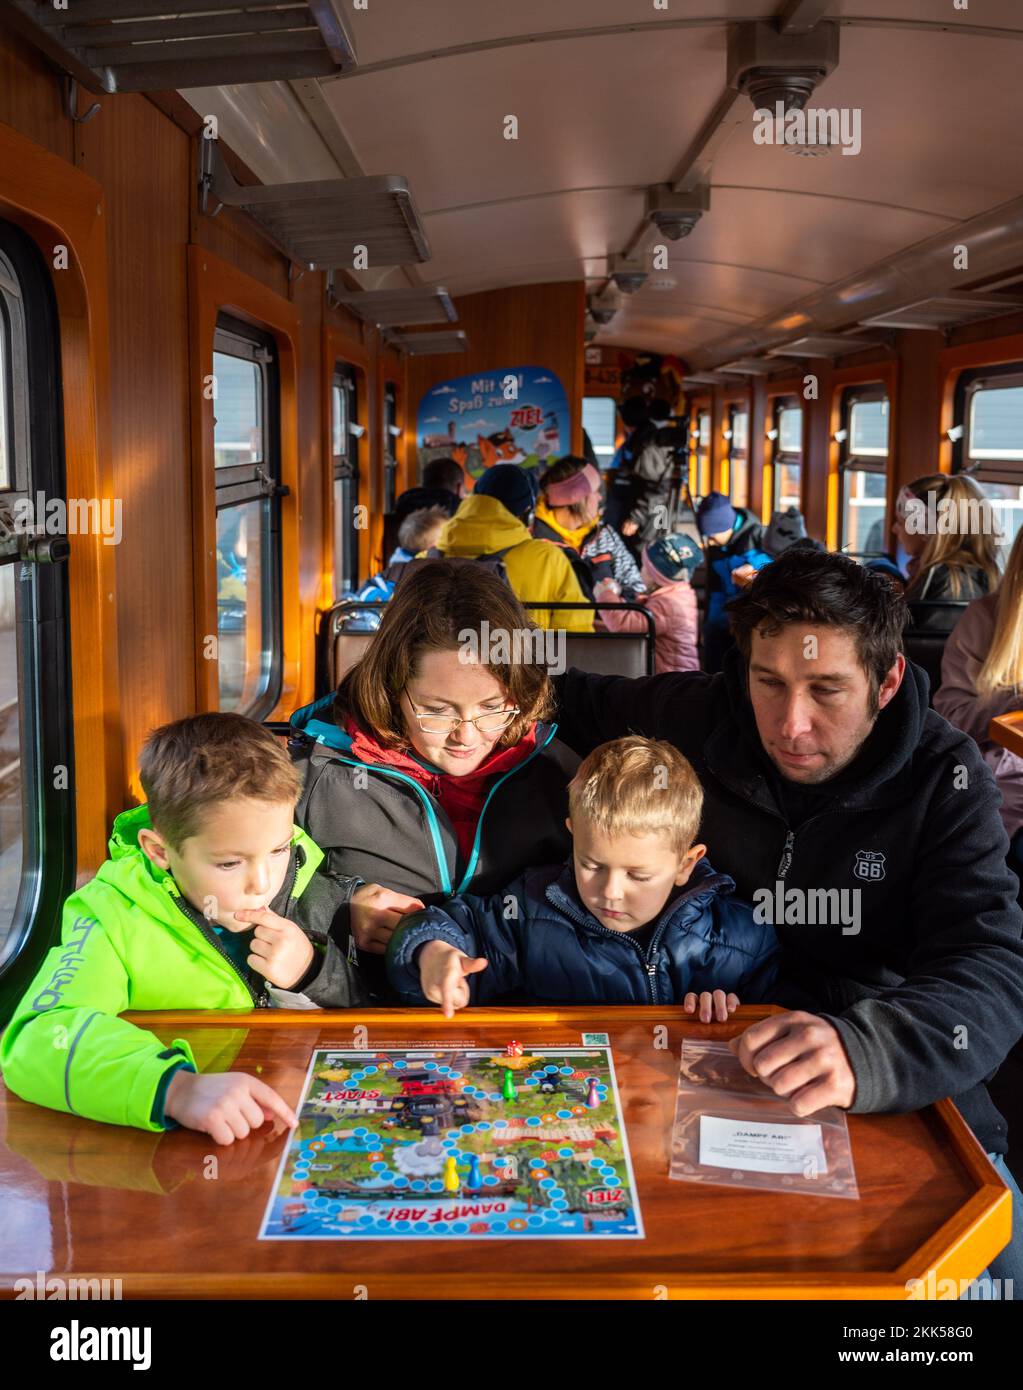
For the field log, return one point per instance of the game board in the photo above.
(464, 1143)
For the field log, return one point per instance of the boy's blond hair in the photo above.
(638, 786)
(196, 763)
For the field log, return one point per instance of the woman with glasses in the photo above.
(431, 771)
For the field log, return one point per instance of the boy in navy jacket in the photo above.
(636, 916)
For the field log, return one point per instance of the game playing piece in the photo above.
(451, 1179)
(509, 1092)
(475, 1178)
(514, 1049)
(592, 1098)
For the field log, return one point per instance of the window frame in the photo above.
(390, 451)
(735, 408)
(28, 309)
(848, 462)
(782, 458)
(968, 384)
(235, 485)
(345, 469)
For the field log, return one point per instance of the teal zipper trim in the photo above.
(471, 869)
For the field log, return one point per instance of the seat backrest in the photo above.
(931, 622)
(602, 653)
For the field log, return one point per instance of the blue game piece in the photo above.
(475, 1178)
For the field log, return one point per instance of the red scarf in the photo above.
(461, 798)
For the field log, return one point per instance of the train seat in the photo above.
(925, 638)
(603, 653)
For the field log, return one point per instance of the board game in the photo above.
(464, 1143)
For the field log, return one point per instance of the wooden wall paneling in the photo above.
(142, 161)
(58, 205)
(215, 285)
(814, 474)
(528, 325)
(917, 438)
(32, 96)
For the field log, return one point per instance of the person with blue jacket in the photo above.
(733, 543)
(637, 915)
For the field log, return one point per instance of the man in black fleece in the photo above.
(865, 826)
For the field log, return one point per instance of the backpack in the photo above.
(494, 562)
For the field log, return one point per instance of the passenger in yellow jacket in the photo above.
(494, 520)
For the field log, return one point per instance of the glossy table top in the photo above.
(174, 1215)
(1007, 729)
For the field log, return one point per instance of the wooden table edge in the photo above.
(1007, 730)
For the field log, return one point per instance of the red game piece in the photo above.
(514, 1049)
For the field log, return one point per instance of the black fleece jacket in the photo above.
(927, 995)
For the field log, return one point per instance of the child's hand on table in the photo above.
(442, 972)
(280, 951)
(225, 1105)
(714, 1008)
(374, 914)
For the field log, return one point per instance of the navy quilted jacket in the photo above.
(539, 938)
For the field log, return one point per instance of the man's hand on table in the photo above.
(801, 1058)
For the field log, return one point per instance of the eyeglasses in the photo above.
(491, 723)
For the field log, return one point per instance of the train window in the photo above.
(345, 447)
(247, 457)
(989, 404)
(738, 456)
(788, 455)
(600, 423)
(864, 470)
(37, 853)
(391, 434)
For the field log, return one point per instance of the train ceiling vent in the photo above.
(328, 224)
(748, 366)
(398, 308)
(823, 345)
(137, 46)
(428, 344)
(945, 311)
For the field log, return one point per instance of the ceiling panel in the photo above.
(391, 28)
(442, 123)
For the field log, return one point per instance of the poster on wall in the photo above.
(509, 415)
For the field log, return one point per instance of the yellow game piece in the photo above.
(451, 1179)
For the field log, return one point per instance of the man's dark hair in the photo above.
(443, 473)
(821, 589)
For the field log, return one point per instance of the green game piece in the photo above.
(509, 1091)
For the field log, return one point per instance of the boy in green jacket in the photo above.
(189, 912)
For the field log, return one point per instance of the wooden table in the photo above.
(89, 1200)
(1007, 729)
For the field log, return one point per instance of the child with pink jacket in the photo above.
(667, 570)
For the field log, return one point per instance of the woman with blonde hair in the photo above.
(947, 527)
(982, 676)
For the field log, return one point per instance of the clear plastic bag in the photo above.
(732, 1130)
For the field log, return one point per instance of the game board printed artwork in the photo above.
(457, 1143)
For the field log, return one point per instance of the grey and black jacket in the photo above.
(375, 824)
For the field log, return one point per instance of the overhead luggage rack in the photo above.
(945, 311)
(428, 344)
(397, 308)
(321, 224)
(137, 46)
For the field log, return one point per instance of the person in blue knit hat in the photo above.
(733, 541)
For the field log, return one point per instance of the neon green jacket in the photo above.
(129, 941)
